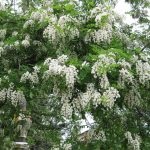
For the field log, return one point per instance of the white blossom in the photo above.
(132, 97)
(125, 77)
(62, 59)
(57, 67)
(63, 20)
(124, 64)
(74, 33)
(15, 33)
(109, 97)
(85, 63)
(28, 23)
(1, 51)
(143, 71)
(32, 77)
(134, 143)
(51, 33)
(2, 95)
(101, 65)
(66, 110)
(104, 82)
(16, 43)
(91, 94)
(2, 33)
(25, 43)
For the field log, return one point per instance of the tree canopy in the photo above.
(63, 59)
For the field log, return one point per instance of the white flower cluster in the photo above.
(57, 67)
(143, 71)
(102, 64)
(104, 82)
(33, 77)
(125, 77)
(133, 143)
(64, 20)
(1, 51)
(132, 97)
(15, 33)
(2, 33)
(109, 97)
(28, 23)
(51, 33)
(66, 110)
(85, 63)
(39, 16)
(102, 35)
(15, 97)
(60, 28)
(73, 33)
(2, 95)
(90, 95)
(16, 43)
(124, 64)
(26, 42)
(96, 11)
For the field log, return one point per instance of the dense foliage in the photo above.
(65, 59)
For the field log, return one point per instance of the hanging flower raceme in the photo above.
(133, 143)
(32, 77)
(109, 97)
(2, 33)
(57, 67)
(15, 97)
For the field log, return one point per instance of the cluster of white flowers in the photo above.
(73, 33)
(85, 63)
(132, 97)
(143, 71)
(14, 97)
(102, 64)
(104, 82)
(64, 20)
(51, 33)
(60, 29)
(2, 33)
(133, 143)
(96, 11)
(102, 35)
(16, 43)
(15, 33)
(2, 95)
(1, 51)
(28, 23)
(26, 41)
(33, 77)
(90, 95)
(124, 64)
(125, 77)
(109, 97)
(66, 110)
(39, 16)
(57, 67)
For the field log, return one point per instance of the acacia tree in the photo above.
(64, 59)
